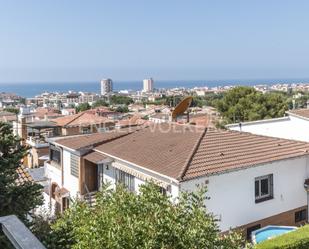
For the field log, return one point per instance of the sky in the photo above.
(85, 40)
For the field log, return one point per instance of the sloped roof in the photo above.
(184, 153)
(81, 119)
(95, 157)
(90, 140)
(300, 112)
(23, 176)
(221, 151)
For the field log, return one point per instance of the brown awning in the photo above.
(95, 157)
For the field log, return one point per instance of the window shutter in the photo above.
(271, 185)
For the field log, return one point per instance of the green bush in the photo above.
(298, 239)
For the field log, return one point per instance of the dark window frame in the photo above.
(124, 178)
(258, 188)
(55, 155)
(301, 215)
(250, 229)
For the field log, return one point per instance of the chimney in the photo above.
(23, 130)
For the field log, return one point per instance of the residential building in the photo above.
(35, 132)
(7, 117)
(106, 86)
(148, 85)
(252, 180)
(83, 122)
(293, 126)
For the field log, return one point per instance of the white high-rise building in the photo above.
(106, 86)
(148, 85)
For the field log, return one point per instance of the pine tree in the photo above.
(16, 197)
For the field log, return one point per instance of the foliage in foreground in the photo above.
(122, 219)
(18, 199)
(298, 239)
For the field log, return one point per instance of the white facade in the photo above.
(106, 86)
(109, 177)
(290, 127)
(232, 196)
(148, 85)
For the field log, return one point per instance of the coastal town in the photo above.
(77, 142)
(154, 124)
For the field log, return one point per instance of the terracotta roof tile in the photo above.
(23, 176)
(300, 112)
(81, 119)
(184, 154)
(221, 151)
(156, 147)
(95, 157)
(81, 141)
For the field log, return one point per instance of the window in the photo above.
(86, 130)
(263, 188)
(74, 165)
(163, 191)
(251, 229)
(124, 178)
(55, 155)
(301, 215)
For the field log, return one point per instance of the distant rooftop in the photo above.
(304, 113)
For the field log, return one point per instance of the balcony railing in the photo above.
(37, 142)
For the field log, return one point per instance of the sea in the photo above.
(28, 89)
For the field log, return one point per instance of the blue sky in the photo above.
(66, 40)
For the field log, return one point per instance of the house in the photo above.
(83, 122)
(34, 133)
(68, 111)
(252, 180)
(7, 117)
(135, 120)
(160, 118)
(294, 126)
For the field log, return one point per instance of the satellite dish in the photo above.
(181, 107)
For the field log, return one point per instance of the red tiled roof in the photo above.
(81, 119)
(300, 112)
(90, 140)
(188, 153)
(156, 147)
(95, 157)
(184, 152)
(221, 151)
(23, 176)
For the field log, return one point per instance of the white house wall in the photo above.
(70, 182)
(290, 128)
(109, 176)
(53, 173)
(232, 195)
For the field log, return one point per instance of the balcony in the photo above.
(38, 131)
(37, 142)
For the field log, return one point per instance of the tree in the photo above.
(99, 103)
(15, 197)
(12, 110)
(120, 100)
(122, 109)
(246, 104)
(149, 220)
(82, 107)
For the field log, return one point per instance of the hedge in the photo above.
(298, 239)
